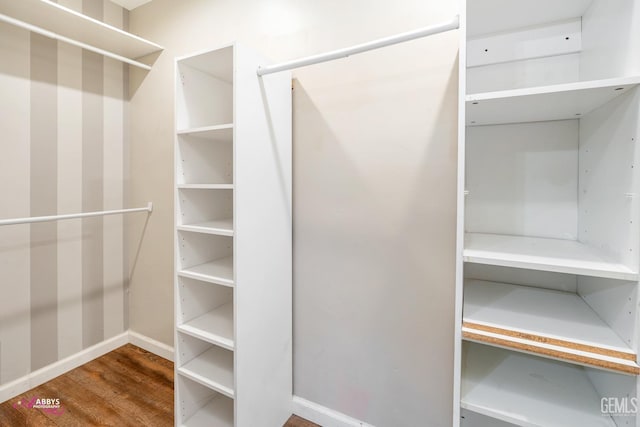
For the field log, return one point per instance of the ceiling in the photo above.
(130, 4)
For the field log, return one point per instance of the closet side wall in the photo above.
(62, 111)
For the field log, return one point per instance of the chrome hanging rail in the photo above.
(364, 47)
(148, 208)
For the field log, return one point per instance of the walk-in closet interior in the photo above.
(291, 213)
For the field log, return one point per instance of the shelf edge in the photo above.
(206, 230)
(607, 274)
(557, 88)
(551, 351)
(213, 385)
(209, 337)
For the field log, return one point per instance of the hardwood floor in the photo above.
(296, 421)
(127, 387)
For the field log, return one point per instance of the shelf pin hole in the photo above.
(566, 38)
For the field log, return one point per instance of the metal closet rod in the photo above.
(148, 208)
(454, 24)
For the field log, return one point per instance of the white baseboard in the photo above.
(151, 345)
(324, 416)
(41, 376)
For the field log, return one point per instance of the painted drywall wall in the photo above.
(374, 194)
(63, 284)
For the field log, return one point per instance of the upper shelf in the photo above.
(483, 19)
(544, 103)
(67, 23)
(556, 255)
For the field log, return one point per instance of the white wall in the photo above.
(374, 194)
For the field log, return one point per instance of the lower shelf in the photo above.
(213, 369)
(527, 390)
(473, 419)
(215, 326)
(217, 413)
(546, 322)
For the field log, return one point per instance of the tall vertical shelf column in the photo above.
(233, 241)
(548, 243)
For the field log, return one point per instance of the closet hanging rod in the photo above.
(148, 208)
(454, 24)
(55, 36)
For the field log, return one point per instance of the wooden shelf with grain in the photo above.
(546, 322)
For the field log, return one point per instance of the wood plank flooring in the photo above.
(126, 387)
(296, 421)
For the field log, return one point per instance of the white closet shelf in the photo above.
(74, 25)
(217, 413)
(544, 103)
(205, 186)
(223, 133)
(219, 271)
(515, 15)
(528, 391)
(215, 327)
(555, 255)
(542, 321)
(220, 227)
(212, 369)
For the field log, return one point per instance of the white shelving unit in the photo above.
(59, 22)
(548, 238)
(233, 241)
